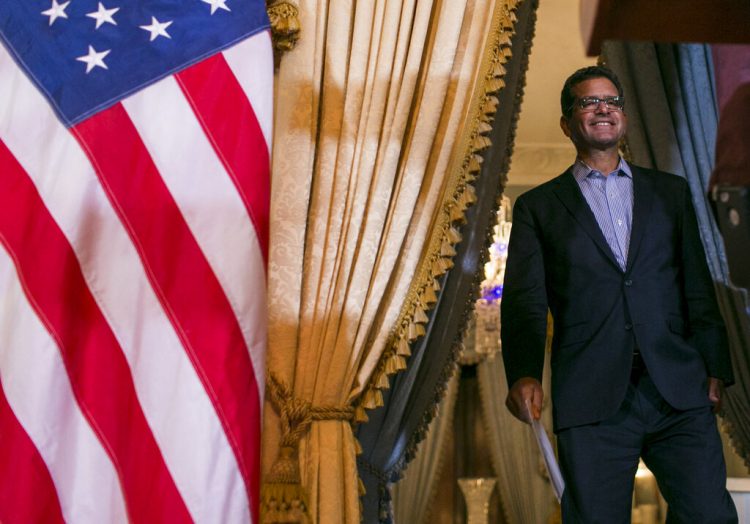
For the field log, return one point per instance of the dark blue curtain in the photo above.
(673, 115)
(390, 438)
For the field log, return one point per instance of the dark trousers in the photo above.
(681, 448)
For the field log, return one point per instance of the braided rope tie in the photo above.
(296, 417)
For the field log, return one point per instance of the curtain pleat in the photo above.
(391, 437)
(672, 112)
(372, 166)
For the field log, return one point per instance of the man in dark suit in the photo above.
(639, 351)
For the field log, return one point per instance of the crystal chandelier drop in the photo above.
(487, 332)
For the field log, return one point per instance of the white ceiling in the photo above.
(541, 151)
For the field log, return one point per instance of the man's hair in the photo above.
(567, 98)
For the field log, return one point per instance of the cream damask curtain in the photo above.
(372, 163)
(522, 481)
(413, 494)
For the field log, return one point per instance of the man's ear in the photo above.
(564, 126)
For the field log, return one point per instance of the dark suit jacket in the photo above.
(663, 303)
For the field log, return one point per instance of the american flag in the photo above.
(134, 198)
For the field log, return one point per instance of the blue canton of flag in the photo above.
(86, 55)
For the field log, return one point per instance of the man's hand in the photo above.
(715, 392)
(525, 392)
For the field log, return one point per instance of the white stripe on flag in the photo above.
(206, 196)
(185, 425)
(246, 59)
(38, 390)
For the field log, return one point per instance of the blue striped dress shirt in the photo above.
(611, 200)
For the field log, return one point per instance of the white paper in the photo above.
(550, 461)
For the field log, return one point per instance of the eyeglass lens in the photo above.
(590, 103)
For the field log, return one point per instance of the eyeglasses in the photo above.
(591, 103)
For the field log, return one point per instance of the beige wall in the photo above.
(541, 150)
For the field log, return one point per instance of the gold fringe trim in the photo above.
(451, 363)
(285, 26)
(735, 437)
(360, 416)
(283, 499)
(402, 349)
(422, 295)
(419, 315)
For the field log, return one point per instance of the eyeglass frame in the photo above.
(607, 100)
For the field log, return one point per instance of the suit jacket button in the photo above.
(628, 326)
(628, 283)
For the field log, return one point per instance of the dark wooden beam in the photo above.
(715, 21)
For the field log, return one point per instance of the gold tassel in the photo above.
(483, 127)
(475, 163)
(420, 316)
(378, 395)
(447, 250)
(498, 70)
(403, 348)
(285, 26)
(470, 195)
(283, 499)
(429, 296)
(490, 104)
(438, 267)
(495, 84)
(373, 399)
(360, 416)
(382, 381)
(481, 142)
(453, 235)
(415, 331)
(390, 366)
(444, 264)
(457, 214)
(357, 446)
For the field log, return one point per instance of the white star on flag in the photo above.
(157, 28)
(56, 11)
(217, 4)
(94, 59)
(103, 15)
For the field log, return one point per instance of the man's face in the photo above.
(597, 129)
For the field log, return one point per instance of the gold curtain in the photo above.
(380, 110)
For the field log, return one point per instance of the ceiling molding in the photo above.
(535, 163)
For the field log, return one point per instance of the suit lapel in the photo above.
(570, 195)
(643, 194)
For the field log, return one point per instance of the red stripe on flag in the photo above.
(228, 119)
(99, 374)
(27, 493)
(182, 279)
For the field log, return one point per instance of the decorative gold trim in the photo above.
(497, 52)
(441, 247)
(283, 498)
(285, 26)
(735, 437)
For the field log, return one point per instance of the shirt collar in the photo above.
(581, 170)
